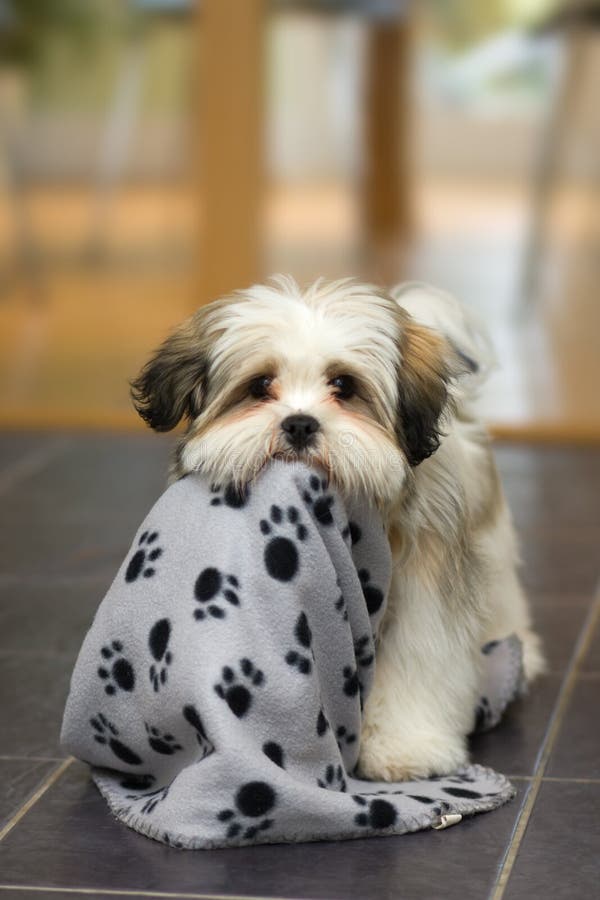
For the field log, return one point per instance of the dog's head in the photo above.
(338, 375)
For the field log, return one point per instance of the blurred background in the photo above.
(155, 154)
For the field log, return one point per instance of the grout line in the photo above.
(566, 691)
(4, 757)
(554, 778)
(110, 892)
(30, 464)
(47, 783)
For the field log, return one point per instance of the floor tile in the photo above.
(99, 473)
(50, 617)
(79, 515)
(551, 484)
(577, 751)
(15, 445)
(33, 549)
(75, 841)
(32, 697)
(591, 661)
(559, 621)
(18, 780)
(512, 747)
(557, 561)
(559, 857)
(556, 514)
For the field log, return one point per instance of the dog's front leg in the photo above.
(421, 706)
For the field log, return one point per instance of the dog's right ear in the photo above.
(172, 384)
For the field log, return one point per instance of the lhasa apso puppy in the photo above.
(376, 389)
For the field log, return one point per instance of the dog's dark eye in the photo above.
(259, 387)
(344, 386)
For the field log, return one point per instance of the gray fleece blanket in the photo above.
(218, 693)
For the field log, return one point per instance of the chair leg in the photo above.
(387, 206)
(230, 127)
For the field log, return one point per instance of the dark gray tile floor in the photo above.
(559, 856)
(68, 508)
(19, 778)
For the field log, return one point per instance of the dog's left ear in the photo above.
(428, 363)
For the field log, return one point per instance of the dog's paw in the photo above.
(534, 663)
(396, 758)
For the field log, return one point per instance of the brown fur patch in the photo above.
(427, 364)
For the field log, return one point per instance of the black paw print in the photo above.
(377, 814)
(211, 585)
(373, 596)
(333, 779)
(107, 733)
(352, 533)
(168, 839)
(465, 793)
(158, 641)
(281, 553)
(144, 553)
(426, 801)
(153, 798)
(483, 715)
(460, 779)
(351, 681)
(135, 782)
(253, 801)
(340, 605)
(323, 725)
(237, 695)
(192, 716)
(232, 495)
(303, 635)
(162, 743)
(321, 503)
(441, 808)
(364, 651)
(274, 752)
(118, 672)
(343, 736)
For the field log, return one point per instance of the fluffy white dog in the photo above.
(375, 388)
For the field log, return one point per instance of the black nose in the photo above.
(299, 429)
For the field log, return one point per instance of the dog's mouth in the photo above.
(291, 454)
(310, 456)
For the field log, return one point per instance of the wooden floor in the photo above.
(71, 338)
